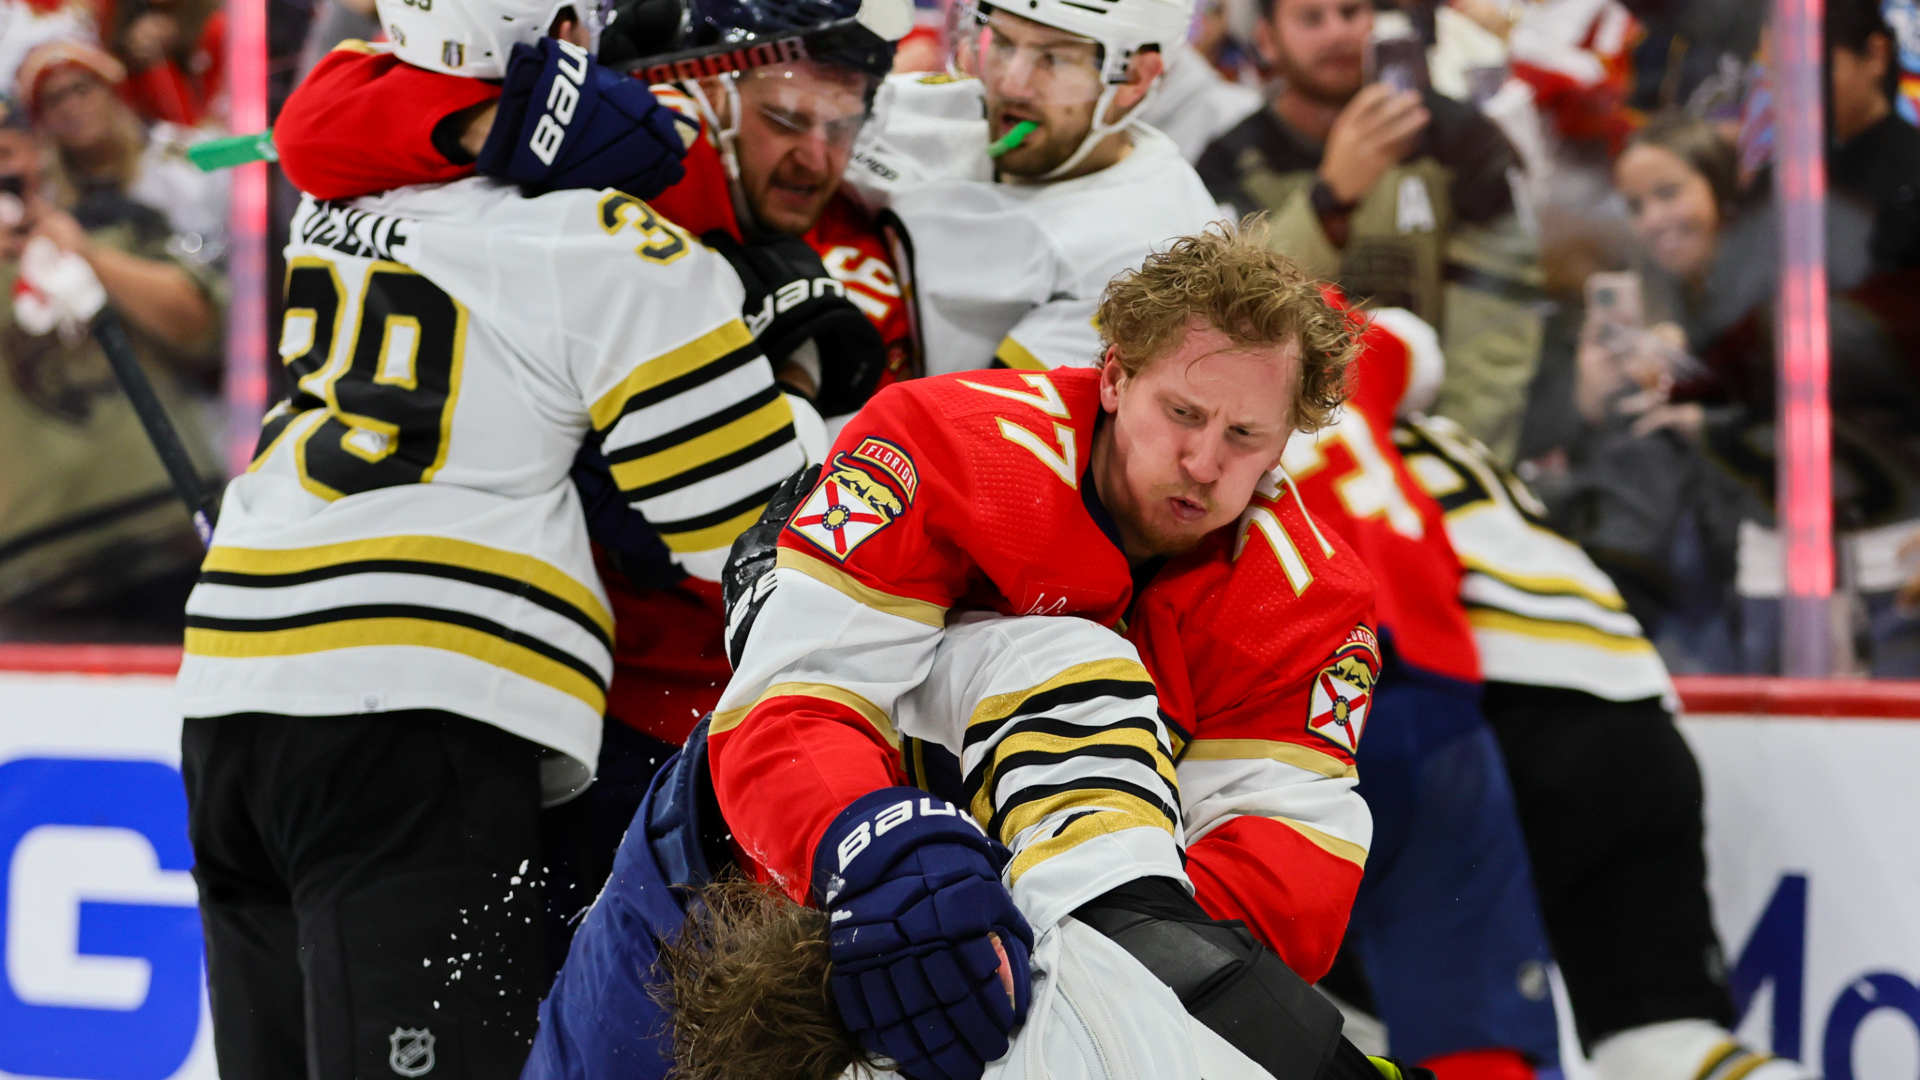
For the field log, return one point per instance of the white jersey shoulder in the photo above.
(408, 537)
(1005, 270)
(1543, 614)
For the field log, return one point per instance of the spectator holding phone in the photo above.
(104, 150)
(93, 543)
(1404, 196)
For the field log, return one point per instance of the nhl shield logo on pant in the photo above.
(412, 1053)
(1343, 691)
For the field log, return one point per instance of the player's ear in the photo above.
(1146, 66)
(1112, 377)
(568, 28)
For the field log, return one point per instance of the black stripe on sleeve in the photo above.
(1070, 694)
(1039, 792)
(715, 467)
(512, 586)
(740, 357)
(712, 421)
(401, 611)
(1106, 751)
(725, 513)
(1066, 729)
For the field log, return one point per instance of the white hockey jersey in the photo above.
(1542, 613)
(1013, 271)
(408, 537)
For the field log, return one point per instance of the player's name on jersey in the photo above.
(354, 232)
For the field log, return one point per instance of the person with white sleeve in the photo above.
(1026, 180)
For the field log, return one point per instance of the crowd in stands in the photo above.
(1575, 194)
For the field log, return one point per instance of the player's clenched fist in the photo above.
(929, 954)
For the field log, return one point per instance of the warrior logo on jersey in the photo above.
(1343, 691)
(851, 503)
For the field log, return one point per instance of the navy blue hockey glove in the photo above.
(748, 578)
(565, 121)
(631, 542)
(912, 891)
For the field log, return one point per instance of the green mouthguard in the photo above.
(1012, 139)
(234, 150)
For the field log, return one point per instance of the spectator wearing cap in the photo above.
(104, 149)
(93, 544)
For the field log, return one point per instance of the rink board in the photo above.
(1813, 834)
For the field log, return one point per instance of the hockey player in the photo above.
(399, 648)
(1462, 986)
(1026, 189)
(765, 171)
(1607, 790)
(1045, 728)
(1049, 493)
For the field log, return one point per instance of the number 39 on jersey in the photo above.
(382, 357)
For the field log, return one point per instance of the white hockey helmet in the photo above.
(474, 37)
(1122, 28)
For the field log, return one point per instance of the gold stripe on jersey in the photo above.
(1078, 831)
(920, 611)
(668, 366)
(701, 449)
(1544, 584)
(1052, 747)
(1119, 809)
(728, 719)
(441, 550)
(1327, 842)
(1300, 757)
(1016, 356)
(713, 536)
(424, 633)
(1485, 618)
(1000, 706)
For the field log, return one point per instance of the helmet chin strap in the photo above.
(726, 138)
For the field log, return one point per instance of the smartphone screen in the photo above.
(1400, 63)
(1616, 299)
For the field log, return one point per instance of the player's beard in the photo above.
(1044, 150)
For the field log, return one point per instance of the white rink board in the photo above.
(98, 985)
(102, 978)
(1831, 806)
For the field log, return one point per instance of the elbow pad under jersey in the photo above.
(1229, 981)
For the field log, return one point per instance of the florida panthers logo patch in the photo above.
(1343, 691)
(850, 503)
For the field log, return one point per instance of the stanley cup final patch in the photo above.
(861, 494)
(1343, 691)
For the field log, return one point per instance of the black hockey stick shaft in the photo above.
(112, 336)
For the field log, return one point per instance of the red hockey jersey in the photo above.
(1259, 645)
(967, 493)
(1352, 477)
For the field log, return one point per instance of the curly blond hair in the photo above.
(1230, 280)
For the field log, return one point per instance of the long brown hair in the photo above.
(746, 981)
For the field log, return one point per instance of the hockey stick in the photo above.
(112, 336)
